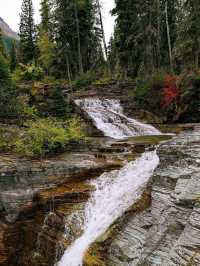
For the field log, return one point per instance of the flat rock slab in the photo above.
(168, 232)
(22, 179)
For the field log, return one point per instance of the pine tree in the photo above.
(77, 42)
(80, 60)
(2, 47)
(129, 35)
(1, 42)
(13, 57)
(187, 50)
(4, 69)
(45, 43)
(46, 17)
(113, 55)
(169, 20)
(146, 33)
(99, 8)
(27, 33)
(46, 51)
(8, 103)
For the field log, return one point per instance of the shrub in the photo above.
(189, 104)
(85, 79)
(59, 106)
(9, 105)
(8, 102)
(104, 81)
(26, 110)
(47, 136)
(4, 69)
(29, 72)
(50, 101)
(170, 90)
(148, 92)
(3, 142)
(8, 136)
(75, 130)
(46, 51)
(175, 98)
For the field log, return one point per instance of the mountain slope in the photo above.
(7, 31)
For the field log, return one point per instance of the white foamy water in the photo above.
(114, 193)
(109, 117)
(117, 190)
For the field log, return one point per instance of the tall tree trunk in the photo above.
(80, 61)
(149, 48)
(196, 60)
(168, 36)
(197, 37)
(68, 70)
(158, 33)
(150, 39)
(102, 29)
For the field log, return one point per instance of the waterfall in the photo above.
(114, 193)
(109, 117)
(117, 190)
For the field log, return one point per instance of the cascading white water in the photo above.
(115, 192)
(109, 118)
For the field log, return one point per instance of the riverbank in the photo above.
(43, 201)
(165, 231)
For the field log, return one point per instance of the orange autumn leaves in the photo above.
(170, 90)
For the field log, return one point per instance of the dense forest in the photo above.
(155, 47)
(100, 135)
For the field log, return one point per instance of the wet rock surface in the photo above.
(35, 198)
(42, 202)
(168, 231)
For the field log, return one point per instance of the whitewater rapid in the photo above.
(114, 193)
(109, 117)
(117, 190)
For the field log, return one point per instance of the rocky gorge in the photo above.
(42, 202)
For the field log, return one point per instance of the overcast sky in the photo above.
(10, 9)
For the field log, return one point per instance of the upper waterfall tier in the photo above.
(109, 117)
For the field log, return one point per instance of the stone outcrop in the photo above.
(35, 197)
(38, 198)
(121, 91)
(167, 233)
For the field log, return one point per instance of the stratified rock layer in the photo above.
(168, 232)
(38, 199)
(35, 198)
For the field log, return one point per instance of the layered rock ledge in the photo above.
(36, 196)
(167, 232)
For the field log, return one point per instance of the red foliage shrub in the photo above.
(170, 90)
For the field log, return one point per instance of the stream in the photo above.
(117, 190)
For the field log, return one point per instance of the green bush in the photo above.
(148, 92)
(48, 136)
(29, 72)
(49, 100)
(104, 81)
(189, 98)
(4, 68)
(75, 130)
(26, 111)
(3, 141)
(8, 137)
(181, 93)
(84, 80)
(9, 105)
